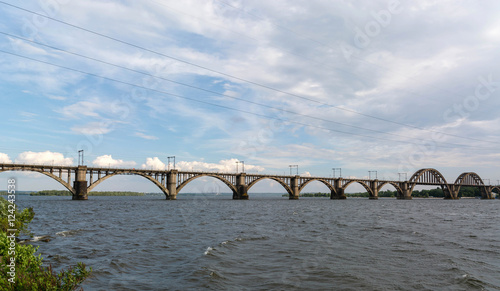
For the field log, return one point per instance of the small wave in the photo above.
(67, 232)
(215, 275)
(44, 238)
(251, 238)
(207, 252)
(58, 258)
(472, 282)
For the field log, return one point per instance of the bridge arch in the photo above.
(61, 181)
(395, 185)
(468, 178)
(368, 189)
(496, 189)
(287, 188)
(428, 175)
(319, 180)
(158, 184)
(184, 183)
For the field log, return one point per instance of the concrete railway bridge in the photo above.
(82, 179)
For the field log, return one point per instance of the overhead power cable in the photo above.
(325, 45)
(211, 91)
(220, 106)
(240, 79)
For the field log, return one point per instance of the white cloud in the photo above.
(60, 98)
(83, 109)
(305, 174)
(223, 166)
(26, 47)
(108, 161)
(28, 114)
(4, 158)
(144, 136)
(425, 61)
(46, 158)
(93, 128)
(154, 164)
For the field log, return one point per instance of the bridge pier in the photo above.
(294, 183)
(405, 191)
(339, 191)
(487, 192)
(374, 188)
(241, 187)
(172, 185)
(451, 192)
(80, 184)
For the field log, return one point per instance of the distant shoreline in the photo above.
(365, 195)
(97, 193)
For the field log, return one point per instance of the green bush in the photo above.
(30, 274)
(22, 220)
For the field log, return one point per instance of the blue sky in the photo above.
(391, 86)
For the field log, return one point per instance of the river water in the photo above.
(272, 243)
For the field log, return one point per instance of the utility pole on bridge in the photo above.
(80, 158)
(242, 165)
(168, 166)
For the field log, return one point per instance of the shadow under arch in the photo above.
(368, 189)
(395, 185)
(287, 188)
(158, 184)
(183, 184)
(48, 174)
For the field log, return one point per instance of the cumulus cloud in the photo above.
(4, 158)
(154, 164)
(306, 174)
(222, 166)
(47, 158)
(108, 161)
(421, 64)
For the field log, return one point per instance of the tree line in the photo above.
(97, 193)
(438, 192)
